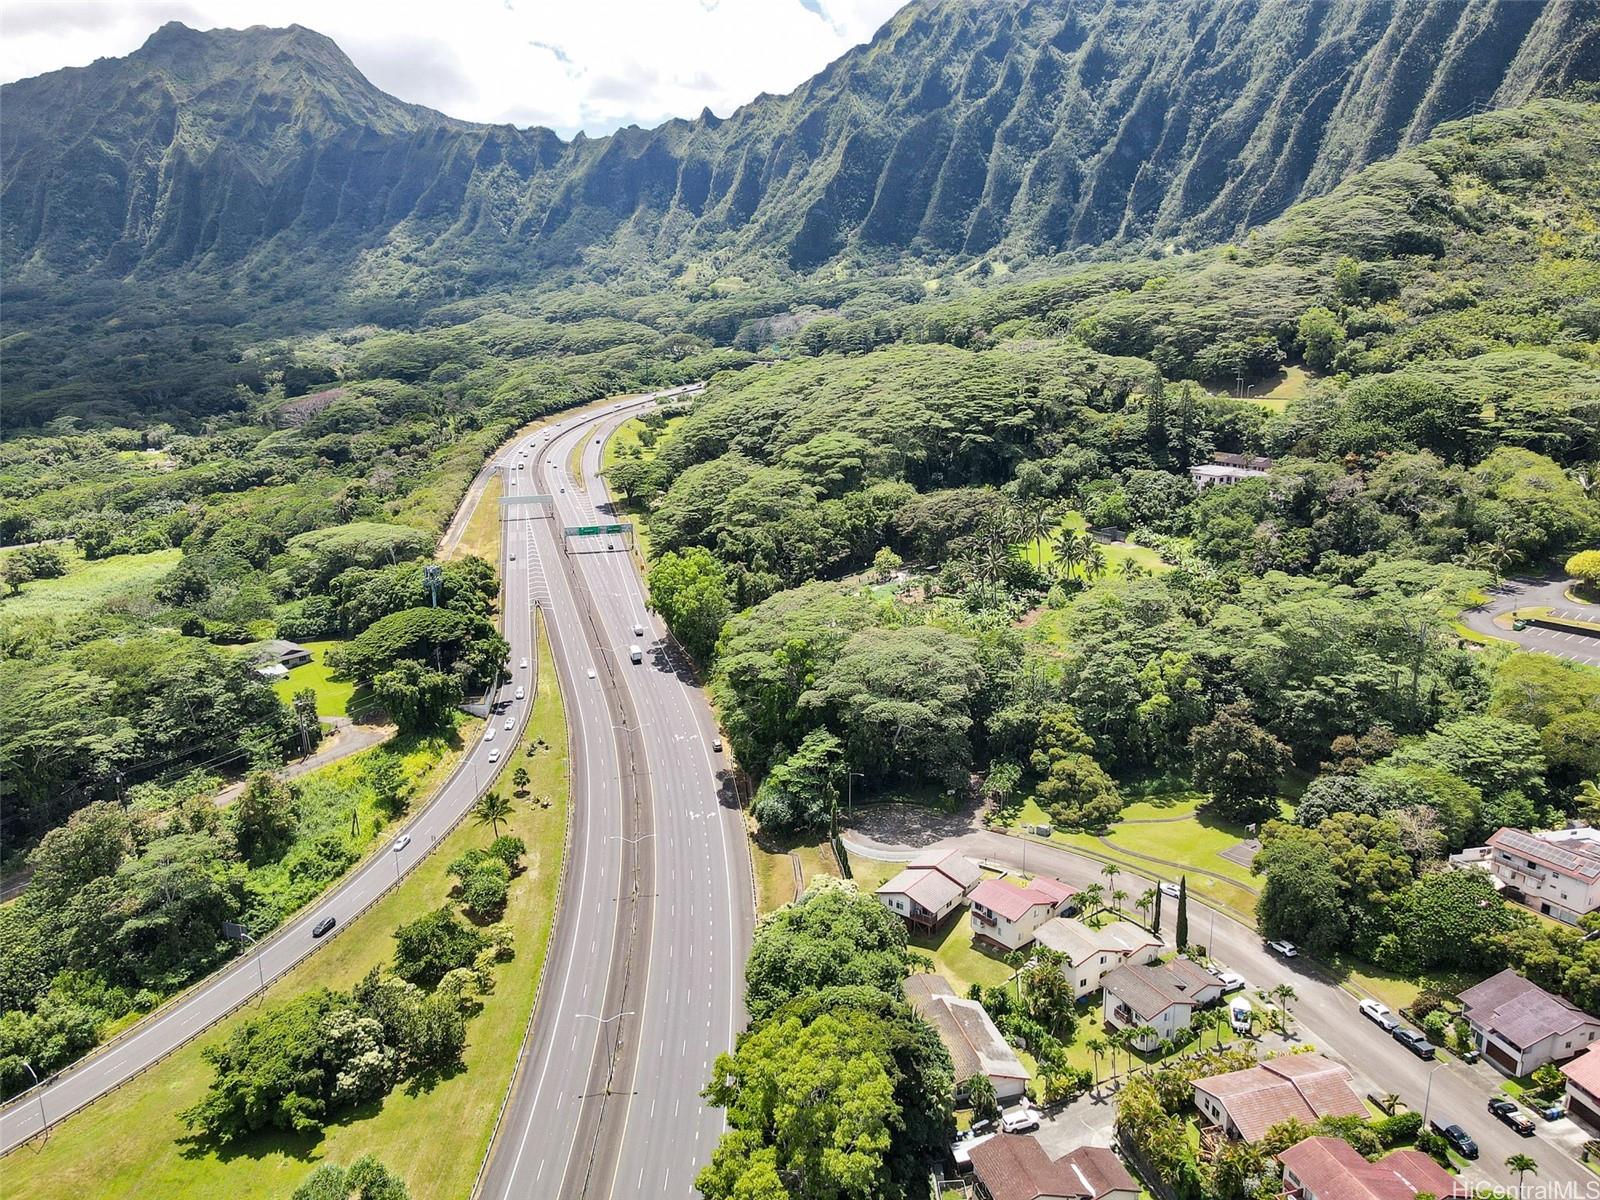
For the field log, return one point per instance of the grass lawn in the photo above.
(1042, 553)
(1395, 990)
(482, 534)
(334, 696)
(87, 584)
(958, 958)
(775, 870)
(129, 1143)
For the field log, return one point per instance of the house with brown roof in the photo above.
(1008, 914)
(969, 1034)
(1163, 998)
(1520, 1027)
(1556, 872)
(1088, 954)
(930, 888)
(1583, 1088)
(1330, 1168)
(1245, 1104)
(1016, 1167)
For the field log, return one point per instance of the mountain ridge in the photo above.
(1015, 130)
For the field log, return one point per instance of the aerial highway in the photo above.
(641, 987)
(641, 990)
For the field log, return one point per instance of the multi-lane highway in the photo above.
(642, 983)
(641, 989)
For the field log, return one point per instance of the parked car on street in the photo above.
(1507, 1112)
(1232, 981)
(1460, 1141)
(1286, 949)
(1378, 1014)
(1412, 1041)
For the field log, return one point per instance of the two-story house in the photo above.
(1161, 998)
(1089, 954)
(1520, 1027)
(1007, 914)
(1583, 1088)
(930, 888)
(1556, 872)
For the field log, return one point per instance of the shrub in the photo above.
(1398, 1129)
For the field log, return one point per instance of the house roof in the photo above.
(1304, 1086)
(1333, 1169)
(932, 889)
(1129, 936)
(1017, 1167)
(1151, 990)
(1011, 901)
(950, 863)
(1585, 1071)
(1520, 1012)
(1074, 939)
(921, 986)
(1574, 852)
(975, 1045)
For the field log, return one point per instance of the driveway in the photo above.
(346, 739)
(1529, 592)
(1324, 1009)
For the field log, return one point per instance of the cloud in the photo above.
(567, 64)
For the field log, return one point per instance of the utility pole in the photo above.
(233, 931)
(43, 1120)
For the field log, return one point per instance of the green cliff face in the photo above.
(1010, 128)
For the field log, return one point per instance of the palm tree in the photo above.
(1037, 519)
(1111, 871)
(1280, 996)
(490, 810)
(1094, 563)
(1091, 898)
(1096, 1048)
(519, 780)
(1520, 1165)
(1132, 570)
(1117, 897)
(1068, 551)
(1145, 902)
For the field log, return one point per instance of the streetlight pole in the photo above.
(43, 1120)
(1427, 1096)
(850, 791)
(611, 1054)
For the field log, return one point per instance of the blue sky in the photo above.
(592, 65)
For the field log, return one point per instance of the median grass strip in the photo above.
(482, 534)
(130, 1143)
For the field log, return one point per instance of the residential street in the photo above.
(1325, 1013)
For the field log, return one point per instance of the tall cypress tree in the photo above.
(1182, 928)
(1155, 925)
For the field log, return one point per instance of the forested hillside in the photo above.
(261, 168)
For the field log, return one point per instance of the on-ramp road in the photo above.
(642, 986)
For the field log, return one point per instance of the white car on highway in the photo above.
(488, 734)
(519, 693)
(401, 842)
(494, 754)
(523, 664)
(511, 723)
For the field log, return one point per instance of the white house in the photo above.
(1090, 953)
(930, 888)
(1163, 998)
(1008, 915)
(1228, 468)
(1245, 1104)
(1556, 873)
(1520, 1027)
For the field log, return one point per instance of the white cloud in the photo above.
(593, 65)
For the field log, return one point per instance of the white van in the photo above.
(1239, 1013)
(636, 653)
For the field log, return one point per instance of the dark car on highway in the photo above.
(1508, 1112)
(322, 926)
(1412, 1041)
(1460, 1141)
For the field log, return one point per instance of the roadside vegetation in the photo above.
(133, 1142)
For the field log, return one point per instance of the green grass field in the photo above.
(88, 584)
(482, 534)
(130, 1143)
(1042, 552)
(334, 696)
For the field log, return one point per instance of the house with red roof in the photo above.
(1583, 1088)
(1245, 1104)
(1330, 1168)
(1008, 914)
(1013, 1166)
